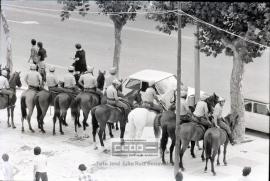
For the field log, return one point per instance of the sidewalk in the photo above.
(65, 153)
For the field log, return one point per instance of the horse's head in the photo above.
(231, 120)
(211, 102)
(15, 80)
(101, 79)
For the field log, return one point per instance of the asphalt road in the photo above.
(142, 47)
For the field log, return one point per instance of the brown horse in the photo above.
(192, 132)
(213, 139)
(45, 98)
(102, 113)
(63, 101)
(14, 81)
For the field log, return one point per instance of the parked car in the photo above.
(165, 84)
(257, 114)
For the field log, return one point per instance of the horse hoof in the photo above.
(183, 169)
(14, 127)
(96, 148)
(225, 163)
(43, 131)
(32, 130)
(172, 163)
(218, 164)
(214, 173)
(79, 125)
(111, 136)
(86, 124)
(205, 170)
(203, 159)
(62, 133)
(22, 130)
(66, 125)
(163, 162)
(193, 156)
(53, 133)
(9, 125)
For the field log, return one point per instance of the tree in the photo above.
(5, 41)
(112, 9)
(249, 20)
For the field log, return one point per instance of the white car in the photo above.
(165, 84)
(257, 114)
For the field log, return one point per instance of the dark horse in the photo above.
(86, 101)
(213, 139)
(192, 132)
(102, 113)
(63, 101)
(14, 81)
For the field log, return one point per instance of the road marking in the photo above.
(24, 22)
(109, 25)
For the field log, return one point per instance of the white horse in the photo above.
(139, 118)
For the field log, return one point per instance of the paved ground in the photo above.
(65, 153)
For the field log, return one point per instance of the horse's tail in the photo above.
(23, 107)
(208, 145)
(94, 119)
(75, 111)
(157, 126)
(39, 110)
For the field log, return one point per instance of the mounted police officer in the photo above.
(109, 79)
(52, 81)
(149, 97)
(87, 80)
(33, 78)
(201, 111)
(69, 80)
(113, 96)
(219, 121)
(185, 113)
(4, 85)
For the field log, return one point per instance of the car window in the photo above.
(145, 85)
(248, 107)
(260, 109)
(133, 84)
(166, 85)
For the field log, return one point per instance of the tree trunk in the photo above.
(237, 100)
(117, 46)
(6, 42)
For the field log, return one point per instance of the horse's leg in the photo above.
(110, 130)
(163, 143)
(224, 152)
(54, 121)
(181, 153)
(192, 149)
(171, 150)
(61, 120)
(213, 160)
(94, 132)
(202, 156)
(12, 117)
(85, 117)
(8, 115)
(116, 126)
(22, 120)
(206, 162)
(28, 117)
(198, 145)
(122, 131)
(218, 163)
(101, 132)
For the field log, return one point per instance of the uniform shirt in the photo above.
(3, 82)
(85, 176)
(109, 80)
(51, 80)
(112, 92)
(69, 80)
(218, 111)
(34, 54)
(201, 109)
(7, 171)
(40, 162)
(88, 80)
(149, 95)
(184, 107)
(33, 78)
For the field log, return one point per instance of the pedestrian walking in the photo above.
(34, 52)
(8, 170)
(245, 173)
(80, 59)
(84, 176)
(42, 54)
(40, 166)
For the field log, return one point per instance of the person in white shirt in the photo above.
(4, 85)
(40, 165)
(201, 112)
(8, 169)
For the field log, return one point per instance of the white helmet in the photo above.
(151, 83)
(33, 67)
(51, 69)
(90, 69)
(71, 68)
(112, 70)
(4, 73)
(116, 82)
(204, 96)
(183, 93)
(221, 99)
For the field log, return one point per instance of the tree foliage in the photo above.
(249, 20)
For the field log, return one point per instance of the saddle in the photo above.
(71, 92)
(199, 125)
(115, 107)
